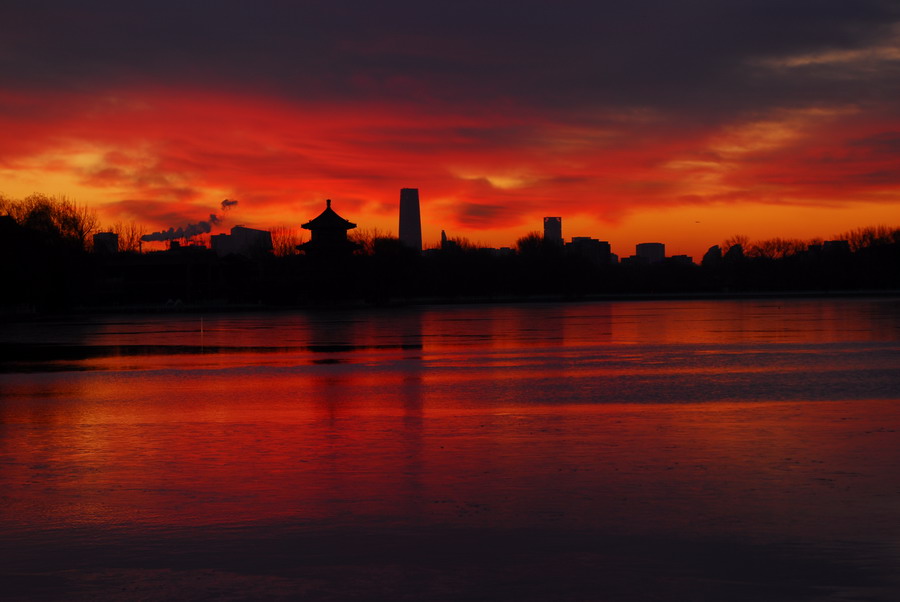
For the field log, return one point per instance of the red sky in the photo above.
(680, 125)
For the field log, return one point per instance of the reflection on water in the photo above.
(771, 425)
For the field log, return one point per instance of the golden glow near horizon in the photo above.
(170, 162)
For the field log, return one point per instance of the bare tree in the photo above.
(285, 240)
(129, 234)
(870, 236)
(366, 239)
(56, 217)
(6, 206)
(737, 240)
(531, 243)
(776, 248)
(464, 244)
(80, 220)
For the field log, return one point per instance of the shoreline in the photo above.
(27, 314)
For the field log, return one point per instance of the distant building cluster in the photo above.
(600, 251)
(239, 267)
(329, 236)
(243, 241)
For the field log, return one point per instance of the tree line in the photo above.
(46, 263)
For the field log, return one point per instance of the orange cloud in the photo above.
(167, 157)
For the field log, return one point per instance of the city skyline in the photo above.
(687, 124)
(365, 301)
(205, 232)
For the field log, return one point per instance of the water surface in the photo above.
(699, 450)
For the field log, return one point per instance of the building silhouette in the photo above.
(328, 234)
(410, 219)
(106, 242)
(683, 260)
(553, 230)
(651, 252)
(247, 242)
(836, 247)
(447, 244)
(597, 251)
(712, 257)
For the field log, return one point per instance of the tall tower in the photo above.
(553, 230)
(410, 220)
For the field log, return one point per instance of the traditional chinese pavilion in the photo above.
(328, 234)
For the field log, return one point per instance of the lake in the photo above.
(652, 450)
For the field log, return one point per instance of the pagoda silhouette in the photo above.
(328, 235)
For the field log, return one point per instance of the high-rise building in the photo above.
(553, 230)
(410, 219)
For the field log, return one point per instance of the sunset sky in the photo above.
(678, 122)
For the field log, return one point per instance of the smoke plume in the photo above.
(191, 229)
(185, 232)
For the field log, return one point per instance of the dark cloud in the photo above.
(483, 215)
(884, 142)
(693, 55)
(889, 177)
(152, 210)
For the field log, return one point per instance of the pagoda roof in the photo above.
(328, 220)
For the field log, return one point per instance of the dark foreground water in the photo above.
(724, 450)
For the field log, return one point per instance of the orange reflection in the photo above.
(475, 423)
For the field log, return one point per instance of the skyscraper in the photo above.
(553, 230)
(410, 219)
